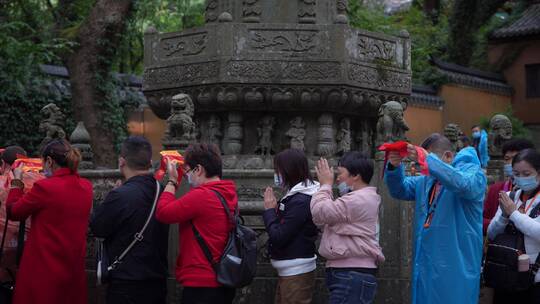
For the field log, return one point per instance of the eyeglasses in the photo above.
(191, 170)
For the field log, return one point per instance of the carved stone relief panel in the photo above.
(272, 71)
(285, 42)
(265, 130)
(381, 79)
(297, 133)
(307, 11)
(344, 136)
(370, 49)
(251, 11)
(183, 46)
(212, 133)
(179, 75)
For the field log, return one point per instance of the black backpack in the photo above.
(237, 265)
(501, 264)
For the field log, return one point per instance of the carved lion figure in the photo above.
(180, 123)
(53, 123)
(500, 131)
(391, 126)
(453, 132)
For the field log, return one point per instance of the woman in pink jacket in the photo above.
(349, 241)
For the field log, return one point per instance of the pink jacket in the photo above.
(350, 227)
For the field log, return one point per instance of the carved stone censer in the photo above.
(265, 75)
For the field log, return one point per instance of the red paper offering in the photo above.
(401, 147)
(174, 157)
(28, 164)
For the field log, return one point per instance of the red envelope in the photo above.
(175, 157)
(401, 147)
(29, 164)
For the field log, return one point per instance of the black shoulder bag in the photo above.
(103, 267)
(237, 265)
(7, 287)
(501, 265)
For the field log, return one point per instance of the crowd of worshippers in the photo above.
(464, 235)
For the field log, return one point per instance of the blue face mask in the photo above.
(278, 180)
(47, 172)
(508, 170)
(526, 183)
(343, 188)
(476, 134)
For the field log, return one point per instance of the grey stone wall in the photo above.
(395, 237)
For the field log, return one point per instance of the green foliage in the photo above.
(427, 39)
(24, 90)
(165, 16)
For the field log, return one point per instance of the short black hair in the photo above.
(292, 165)
(437, 143)
(358, 163)
(206, 155)
(137, 151)
(10, 154)
(530, 156)
(476, 126)
(517, 145)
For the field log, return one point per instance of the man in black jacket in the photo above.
(141, 277)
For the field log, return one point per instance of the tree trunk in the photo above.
(462, 30)
(98, 38)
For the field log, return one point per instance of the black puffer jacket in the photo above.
(290, 228)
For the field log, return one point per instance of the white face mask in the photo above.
(343, 188)
(192, 182)
(47, 170)
(278, 180)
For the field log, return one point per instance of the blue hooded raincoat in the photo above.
(447, 254)
(483, 149)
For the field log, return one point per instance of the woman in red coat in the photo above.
(52, 265)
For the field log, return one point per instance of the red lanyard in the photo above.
(431, 211)
(530, 205)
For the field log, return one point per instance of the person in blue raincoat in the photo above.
(448, 221)
(480, 143)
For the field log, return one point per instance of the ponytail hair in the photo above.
(63, 154)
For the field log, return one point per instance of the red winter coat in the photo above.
(52, 265)
(202, 207)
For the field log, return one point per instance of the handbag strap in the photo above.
(139, 235)
(202, 243)
(3, 238)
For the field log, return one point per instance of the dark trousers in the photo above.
(529, 296)
(207, 295)
(137, 292)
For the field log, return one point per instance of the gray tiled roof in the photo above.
(425, 97)
(487, 81)
(527, 25)
(62, 72)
